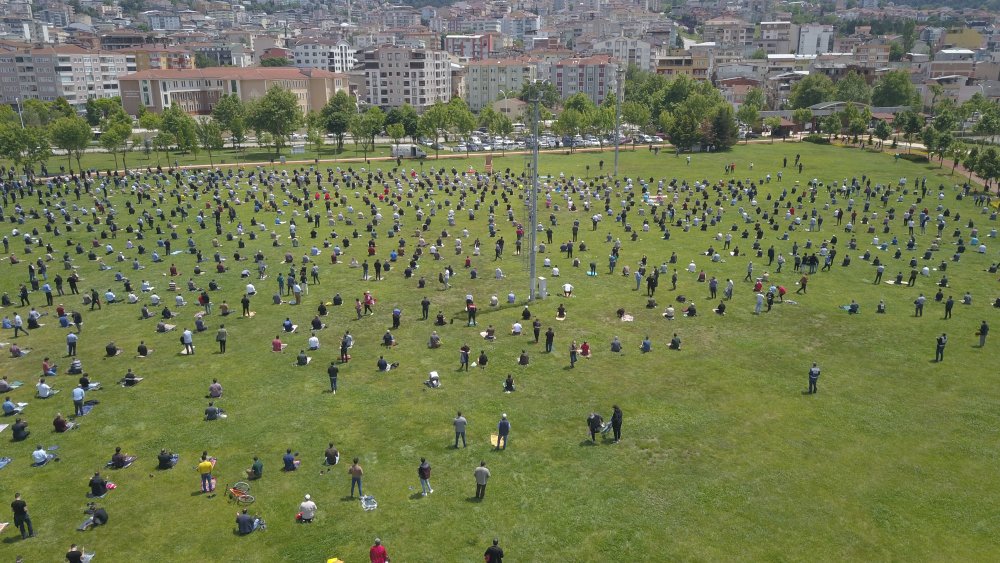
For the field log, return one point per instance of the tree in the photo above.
(811, 90)
(957, 152)
(314, 136)
(545, 92)
(942, 147)
(150, 121)
(24, 146)
(503, 126)
(756, 98)
(337, 114)
(361, 131)
(275, 61)
(929, 136)
(73, 135)
(987, 165)
(896, 52)
(209, 137)
(407, 116)
(802, 116)
(162, 143)
(278, 114)
(852, 88)
(894, 89)
(115, 134)
(882, 131)
(230, 113)
(580, 102)
(182, 128)
(773, 123)
(971, 160)
(758, 55)
(99, 109)
(569, 124)
(831, 125)
(723, 128)
(396, 131)
(35, 113)
(461, 119)
(910, 123)
(748, 114)
(202, 61)
(637, 114)
(434, 121)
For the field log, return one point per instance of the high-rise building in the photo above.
(486, 79)
(65, 71)
(401, 75)
(335, 56)
(593, 76)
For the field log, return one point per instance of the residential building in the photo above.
(734, 90)
(872, 55)
(197, 91)
(626, 50)
(335, 56)
(593, 76)
(473, 47)
(778, 37)
(815, 39)
(953, 62)
(65, 71)
(160, 57)
(695, 64)
(486, 79)
(122, 39)
(520, 25)
(162, 21)
(399, 75)
(729, 32)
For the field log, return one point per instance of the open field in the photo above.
(723, 456)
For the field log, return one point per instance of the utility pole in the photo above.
(619, 79)
(19, 115)
(533, 207)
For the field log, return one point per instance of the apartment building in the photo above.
(953, 62)
(399, 75)
(473, 47)
(593, 76)
(815, 39)
(160, 57)
(872, 55)
(162, 21)
(778, 37)
(520, 25)
(694, 63)
(486, 79)
(626, 50)
(65, 71)
(729, 32)
(335, 56)
(197, 91)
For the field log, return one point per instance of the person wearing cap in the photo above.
(307, 509)
(377, 553)
(503, 430)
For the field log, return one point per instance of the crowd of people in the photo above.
(271, 237)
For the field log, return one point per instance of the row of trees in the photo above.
(893, 89)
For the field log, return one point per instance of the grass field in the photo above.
(723, 456)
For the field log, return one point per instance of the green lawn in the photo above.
(723, 457)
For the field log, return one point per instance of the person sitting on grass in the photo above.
(165, 459)
(98, 516)
(435, 340)
(120, 460)
(616, 345)
(276, 344)
(98, 486)
(215, 389)
(290, 461)
(212, 412)
(130, 379)
(246, 524)
(675, 342)
(75, 366)
(561, 312)
(287, 326)
(331, 456)
(256, 469)
(20, 430)
(647, 345)
(585, 349)
(388, 340)
(522, 360)
(384, 365)
(508, 384)
(302, 359)
(60, 424)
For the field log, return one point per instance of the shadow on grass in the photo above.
(416, 496)
(347, 498)
(587, 443)
(13, 539)
(473, 499)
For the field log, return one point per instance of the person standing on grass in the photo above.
(377, 553)
(482, 475)
(355, 472)
(424, 472)
(205, 468)
(984, 329)
(332, 371)
(493, 553)
(246, 305)
(616, 423)
(460, 423)
(803, 281)
(21, 517)
(550, 336)
(187, 338)
(941, 342)
(572, 354)
(503, 431)
(221, 336)
(813, 378)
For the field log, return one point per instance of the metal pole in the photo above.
(533, 209)
(19, 116)
(618, 113)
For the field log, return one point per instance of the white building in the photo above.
(486, 79)
(162, 21)
(335, 56)
(815, 39)
(398, 75)
(626, 50)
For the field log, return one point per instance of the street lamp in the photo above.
(619, 90)
(19, 116)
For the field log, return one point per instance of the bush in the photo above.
(817, 139)
(916, 158)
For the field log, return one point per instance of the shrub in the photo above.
(817, 139)
(916, 158)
